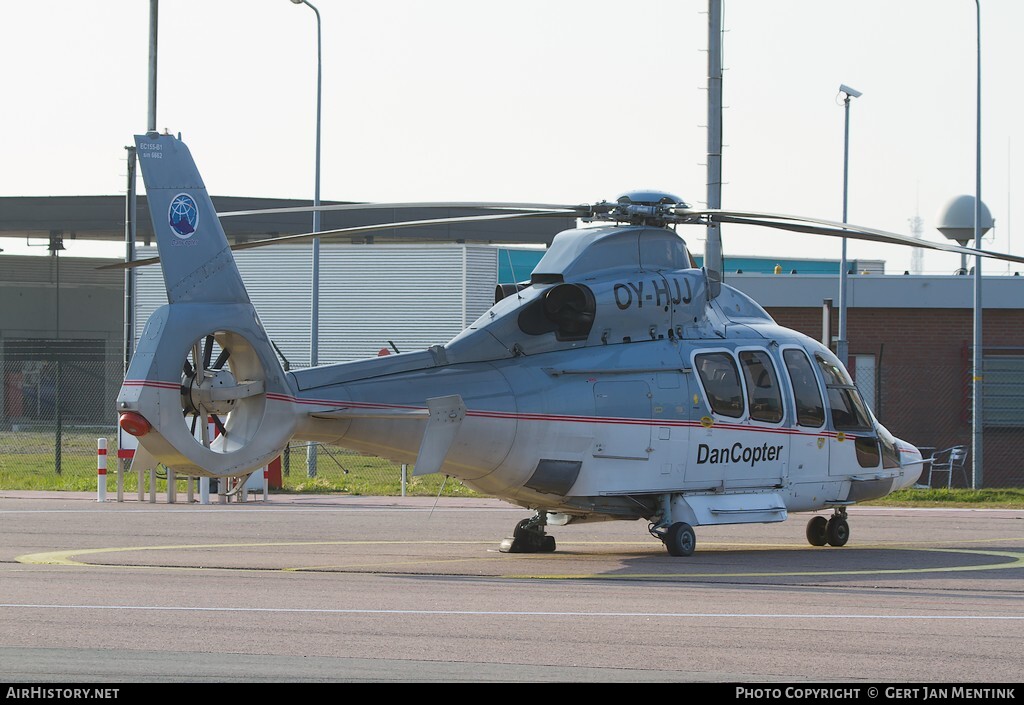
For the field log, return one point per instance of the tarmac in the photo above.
(306, 588)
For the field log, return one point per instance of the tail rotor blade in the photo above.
(220, 426)
(221, 359)
(207, 352)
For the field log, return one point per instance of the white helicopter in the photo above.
(620, 382)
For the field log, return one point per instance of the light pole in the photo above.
(976, 377)
(841, 344)
(314, 322)
(56, 245)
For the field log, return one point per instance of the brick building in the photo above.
(911, 353)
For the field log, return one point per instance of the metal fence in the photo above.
(58, 397)
(928, 403)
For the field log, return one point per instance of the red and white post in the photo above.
(101, 469)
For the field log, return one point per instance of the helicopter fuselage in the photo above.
(637, 387)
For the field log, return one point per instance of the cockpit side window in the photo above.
(890, 453)
(810, 409)
(848, 410)
(721, 381)
(763, 396)
(833, 374)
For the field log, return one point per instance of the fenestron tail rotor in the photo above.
(223, 396)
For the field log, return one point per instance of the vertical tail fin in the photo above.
(197, 262)
(174, 389)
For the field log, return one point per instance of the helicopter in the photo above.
(621, 382)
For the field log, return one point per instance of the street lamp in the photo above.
(314, 324)
(976, 377)
(955, 227)
(56, 245)
(841, 344)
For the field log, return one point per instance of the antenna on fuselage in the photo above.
(512, 269)
(445, 480)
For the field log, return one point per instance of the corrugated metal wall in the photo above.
(413, 295)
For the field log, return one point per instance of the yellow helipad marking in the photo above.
(383, 564)
(1012, 559)
(64, 557)
(1016, 561)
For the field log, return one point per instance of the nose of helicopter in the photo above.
(910, 459)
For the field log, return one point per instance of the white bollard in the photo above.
(152, 486)
(101, 469)
(204, 490)
(266, 483)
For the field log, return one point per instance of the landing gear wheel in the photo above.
(529, 537)
(837, 531)
(680, 540)
(817, 531)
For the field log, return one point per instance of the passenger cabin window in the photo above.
(848, 410)
(810, 409)
(763, 396)
(721, 381)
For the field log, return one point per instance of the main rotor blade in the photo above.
(816, 226)
(305, 237)
(402, 224)
(396, 206)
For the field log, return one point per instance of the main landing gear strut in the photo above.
(834, 531)
(678, 536)
(529, 536)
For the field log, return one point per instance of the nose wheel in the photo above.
(834, 531)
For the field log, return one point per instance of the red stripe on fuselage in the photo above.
(523, 416)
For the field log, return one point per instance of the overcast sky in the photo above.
(551, 101)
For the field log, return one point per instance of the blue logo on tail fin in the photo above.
(183, 216)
